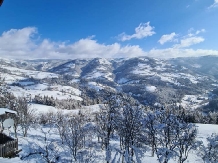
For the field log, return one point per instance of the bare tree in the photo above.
(150, 130)
(24, 116)
(61, 125)
(106, 120)
(72, 133)
(173, 136)
(209, 152)
(48, 150)
(185, 140)
(5, 96)
(166, 136)
(130, 127)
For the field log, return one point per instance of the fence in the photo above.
(8, 149)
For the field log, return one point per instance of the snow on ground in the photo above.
(37, 90)
(108, 77)
(151, 88)
(66, 89)
(35, 138)
(5, 110)
(143, 72)
(30, 88)
(73, 74)
(12, 160)
(39, 108)
(147, 70)
(127, 81)
(143, 69)
(196, 66)
(71, 65)
(216, 85)
(192, 78)
(173, 77)
(37, 87)
(168, 77)
(206, 130)
(74, 81)
(43, 75)
(25, 83)
(95, 86)
(98, 86)
(160, 68)
(101, 68)
(104, 61)
(31, 73)
(193, 101)
(122, 81)
(96, 74)
(94, 108)
(144, 59)
(9, 78)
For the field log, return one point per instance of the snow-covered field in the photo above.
(194, 101)
(35, 138)
(30, 73)
(43, 109)
(151, 88)
(42, 90)
(99, 74)
(147, 70)
(98, 86)
(22, 86)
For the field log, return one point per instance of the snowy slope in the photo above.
(146, 79)
(204, 130)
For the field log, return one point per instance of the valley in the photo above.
(153, 82)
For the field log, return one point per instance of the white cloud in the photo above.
(86, 48)
(24, 44)
(190, 39)
(193, 32)
(200, 31)
(20, 43)
(187, 42)
(142, 31)
(176, 52)
(18, 39)
(215, 4)
(167, 38)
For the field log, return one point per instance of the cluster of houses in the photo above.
(8, 145)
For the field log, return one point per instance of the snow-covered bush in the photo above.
(210, 151)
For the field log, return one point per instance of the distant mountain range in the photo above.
(181, 81)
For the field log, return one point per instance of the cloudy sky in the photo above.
(69, 29)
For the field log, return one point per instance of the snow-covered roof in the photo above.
(5, 110)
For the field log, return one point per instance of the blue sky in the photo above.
(71, 29)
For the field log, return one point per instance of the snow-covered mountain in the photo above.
(185, 81)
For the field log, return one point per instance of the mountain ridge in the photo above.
(148, 80)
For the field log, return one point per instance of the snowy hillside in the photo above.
(73, 92)
(148, 80)
(42, 136)
(36, 136)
